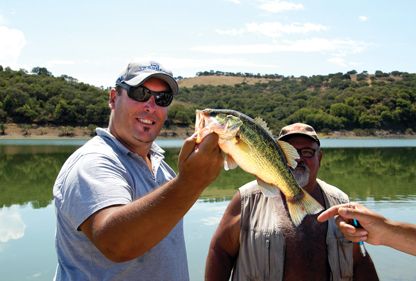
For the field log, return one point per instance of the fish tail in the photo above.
(307, 205)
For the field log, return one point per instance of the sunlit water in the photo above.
(27, 251)
(384, 180)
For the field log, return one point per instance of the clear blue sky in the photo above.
(93, 40)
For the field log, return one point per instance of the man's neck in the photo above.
(311, 187)
(315, 191)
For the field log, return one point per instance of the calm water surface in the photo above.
(379, 173)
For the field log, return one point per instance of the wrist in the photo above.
(389, 232)
(191, 183)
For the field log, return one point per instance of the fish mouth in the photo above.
(221, 122)
(200, 119)
(201, 124)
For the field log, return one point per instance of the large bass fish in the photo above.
(249, 144)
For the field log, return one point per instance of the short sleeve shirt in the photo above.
(102, 173)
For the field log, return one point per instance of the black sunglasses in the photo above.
(143, 94)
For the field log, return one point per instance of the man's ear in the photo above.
(112, 98)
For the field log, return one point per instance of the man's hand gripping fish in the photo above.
(249, 144)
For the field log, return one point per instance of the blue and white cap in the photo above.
(137, 73)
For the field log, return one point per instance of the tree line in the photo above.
(340, 101)
(40, 98)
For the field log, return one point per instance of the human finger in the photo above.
(349, 230)
(188, 147)
(209, 142)
(358, 213)
(330, 213)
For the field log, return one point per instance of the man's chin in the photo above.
(302, 179)
(145, 139)
(146, 134)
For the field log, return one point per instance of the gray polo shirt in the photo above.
(101, 173)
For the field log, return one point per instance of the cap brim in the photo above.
(301, 134)
(143, 77)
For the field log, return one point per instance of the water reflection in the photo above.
(377, 173)
(12, 226)
(27, 173)
(382, 178)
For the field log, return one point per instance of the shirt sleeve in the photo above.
(96, 181)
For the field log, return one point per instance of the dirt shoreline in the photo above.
(15, 131)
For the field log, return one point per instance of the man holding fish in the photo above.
(269, 230)
(119, 206)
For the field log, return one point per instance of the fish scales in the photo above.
(267, 157)
(248, 144)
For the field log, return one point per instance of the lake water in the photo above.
(378, 173)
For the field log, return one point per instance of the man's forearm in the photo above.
(125, 232)
(401, 236)
(218, 266)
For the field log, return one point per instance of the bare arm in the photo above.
(377, 230)
(225, 244)
(125, 232)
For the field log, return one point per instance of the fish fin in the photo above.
(268, 190)
(298, 209)
(290, 153)
(229, 162)
(259, 121)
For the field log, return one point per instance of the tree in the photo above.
(368, 121)
(64, 113)
(346, 113)
(380, 74)
(25, 114)
(41, 71)
(2, 129)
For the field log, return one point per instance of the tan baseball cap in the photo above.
(299, 129)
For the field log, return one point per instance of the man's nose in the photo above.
(150, 104)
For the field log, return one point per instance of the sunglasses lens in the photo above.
(163, 99)
(143, 94)
(139, 94)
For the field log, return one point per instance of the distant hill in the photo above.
(361, 102)
(216, 80)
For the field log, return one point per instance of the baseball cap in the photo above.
(299, 129)
(137, 73)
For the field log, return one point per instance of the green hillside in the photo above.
(361, 102)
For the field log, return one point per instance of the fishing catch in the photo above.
(249, 144)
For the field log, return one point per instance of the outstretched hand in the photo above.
(372, 224)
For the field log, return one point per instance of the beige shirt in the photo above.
(262, 240)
